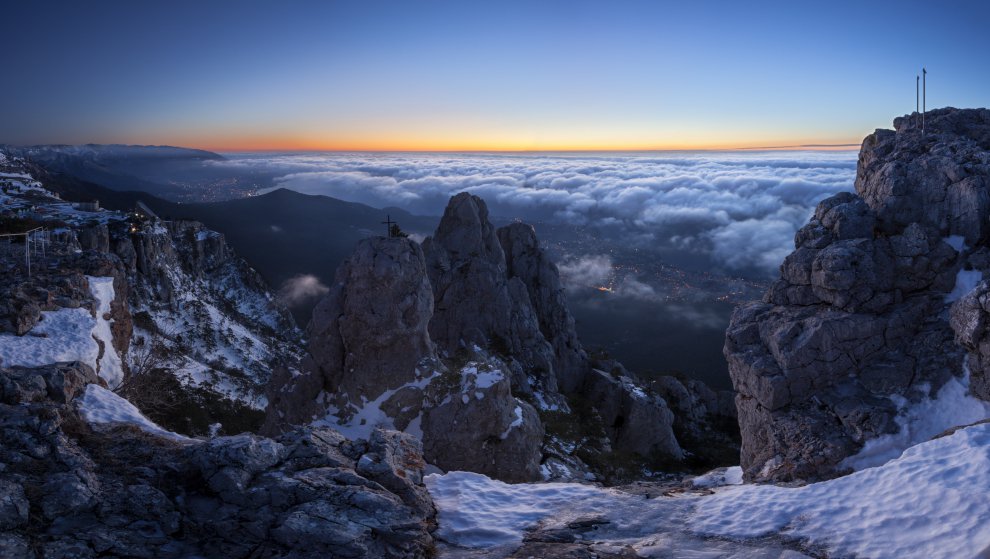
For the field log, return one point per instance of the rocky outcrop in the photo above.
(70, 490)
(971, 324)
(373, 361)
(479, 426)
(477, 303)
(369, 334)
(860, 314)
(525, 260)
(467, 343)
(634, 421)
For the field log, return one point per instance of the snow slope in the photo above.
(930, 503)
(99, 405)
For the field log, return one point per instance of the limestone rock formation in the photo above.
(69, 490)
(469, 344)
(860, 311)
(373, 360)
(369, 334)
(478, 425)
(477, 303)
(527, 261)
(971, 324)
(634, 421)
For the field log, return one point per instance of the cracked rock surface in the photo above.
(860, 312)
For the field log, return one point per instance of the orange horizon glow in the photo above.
(507, 147)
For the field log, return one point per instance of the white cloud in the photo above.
(301, 289)
(587, 271)
(740, 208)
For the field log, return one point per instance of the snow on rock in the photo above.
(720, 477)
(951, 407)
(966, 281)
(99, 405)
(370, 415)
(69, 335)
(62, 335)
(958, 242)
(110, 365)
(929, 503)
(517, 422)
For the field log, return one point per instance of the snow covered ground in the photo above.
(931, 502)
(69, 335)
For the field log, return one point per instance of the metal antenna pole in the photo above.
(917, 94)
(924, 91)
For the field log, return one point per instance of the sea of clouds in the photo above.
(739, 208)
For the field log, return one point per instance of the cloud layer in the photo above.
(741, 209)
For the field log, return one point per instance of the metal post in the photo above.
(924, 109)
(388, 226)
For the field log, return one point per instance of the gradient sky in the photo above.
(460, 75)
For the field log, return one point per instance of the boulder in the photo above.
(474, 423)
(634, 420)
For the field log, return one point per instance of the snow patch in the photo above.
(720, 477)
(957, 242)
(99, 405)
(110, 366)
(966, 281)
(69, 335)
(517, 422)
(951, 407)
(476, 511)
(929, 503)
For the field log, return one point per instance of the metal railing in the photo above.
(32, 248)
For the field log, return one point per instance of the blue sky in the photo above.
(480, 75)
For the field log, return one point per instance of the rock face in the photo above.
(476, 302)
(373, 360)
(67, 490)
(526, 261)
(860, 311)
(370, 333)
(480, 426)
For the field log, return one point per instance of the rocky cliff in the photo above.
(864, 319)
(183, 326)
(467, 343)
(72, 486)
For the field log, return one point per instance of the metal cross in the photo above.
(388, 223)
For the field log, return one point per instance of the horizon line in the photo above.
(801, 147)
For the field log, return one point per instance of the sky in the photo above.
(505, 75)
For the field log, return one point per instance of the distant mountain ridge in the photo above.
(122, 167)
(282, 233)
